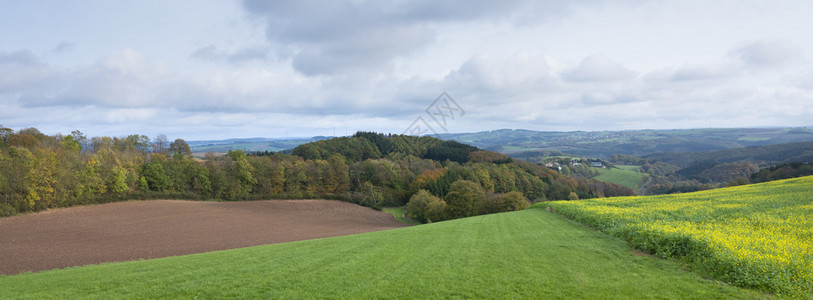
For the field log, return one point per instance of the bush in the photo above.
(7, 210)
(425, 207)
(496, 203)
(513, 201)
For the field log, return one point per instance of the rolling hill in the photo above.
(762, 155)
(524, 254)
(603, 144)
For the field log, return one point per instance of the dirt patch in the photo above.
(640, 253)
(150, 229)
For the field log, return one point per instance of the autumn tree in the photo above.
(276, 178)
(180, 147)
(512, 201)
(240, 171)
(339, 174)
(461, 199)
(425, 207)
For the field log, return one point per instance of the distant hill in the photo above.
(689, 171)
(602, 144)
(251, 144)
(520, 143)
(760, 155)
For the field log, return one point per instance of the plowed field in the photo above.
(150, 229)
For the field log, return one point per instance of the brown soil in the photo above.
(150, 229)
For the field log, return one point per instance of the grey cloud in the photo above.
(691, 73)
(239, 56)
(330, 37)
(19, 57)
(514, 74)
(63, 47)
(128, 80)
(22, 70)
(598, 68)
(703, 72)
(123, 79)
(606, 98)
(372, 49)
(766, 53)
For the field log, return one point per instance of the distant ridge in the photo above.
(524, 142)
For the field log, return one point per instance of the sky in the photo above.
(216, 69)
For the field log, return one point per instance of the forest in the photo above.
(39, 171)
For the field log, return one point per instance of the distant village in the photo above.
(574, 162)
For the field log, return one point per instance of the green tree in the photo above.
(425, 207)
(71, 144)
(118, 184)
(157, 180)
(277, 178)
(295, 179)
(241, 172)
(142, 184)
(461, 199)
(180, 147)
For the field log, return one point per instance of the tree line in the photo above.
(39, 171)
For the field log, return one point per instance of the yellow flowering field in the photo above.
(758, 236)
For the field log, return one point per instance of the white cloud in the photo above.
(22, 70)
(260, 68)
(245, 55)
(703, 72)
(598, 67)
(766, 53)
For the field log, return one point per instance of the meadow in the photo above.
(400, 214)
(525, 254)
(622, 175)
(757, 236)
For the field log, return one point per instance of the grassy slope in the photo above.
(623, 175)
(400, 214)
(526, 254)
(757, 235)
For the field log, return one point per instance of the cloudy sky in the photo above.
(212, 69)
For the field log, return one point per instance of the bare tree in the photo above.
(159, 143)
(5, 133)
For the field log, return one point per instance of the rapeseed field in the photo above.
(757, 236)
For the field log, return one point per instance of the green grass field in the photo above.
(525, 254)
(400, 214)
(623, 175)
(757, 235)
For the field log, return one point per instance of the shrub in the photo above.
(425, 207)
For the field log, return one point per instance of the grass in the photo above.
(758, 236)
(628, 167)
(525, 254)
(400, 214)
(623, 175)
